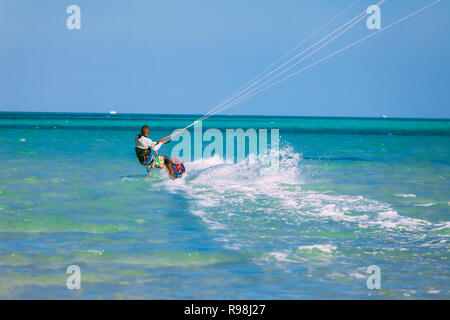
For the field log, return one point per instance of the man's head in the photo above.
(145, 130)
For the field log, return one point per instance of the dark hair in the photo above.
(144, 127)
(142, 130)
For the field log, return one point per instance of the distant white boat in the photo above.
(384, 116)
(113, 112)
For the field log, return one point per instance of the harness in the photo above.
(148, 163)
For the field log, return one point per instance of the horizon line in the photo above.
(383, 117)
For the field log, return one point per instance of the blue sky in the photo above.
(187, 56)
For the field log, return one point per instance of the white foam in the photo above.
(232, 246)
(279, 256)
(445, 225)
(424, 204)
(358, 275)
(211, 223)
(327, 248)
(434, 291)
(95, 251)
(401, 195)
(238, 200)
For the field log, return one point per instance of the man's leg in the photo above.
(165, 160)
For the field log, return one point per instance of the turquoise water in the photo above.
(350, 193)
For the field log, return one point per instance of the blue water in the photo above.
(350, 193)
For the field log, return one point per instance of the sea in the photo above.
(359, 208)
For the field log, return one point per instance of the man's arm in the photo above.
(157, 146)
